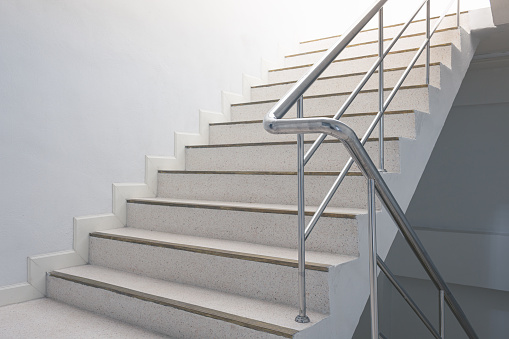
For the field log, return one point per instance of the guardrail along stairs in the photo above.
(215, 254)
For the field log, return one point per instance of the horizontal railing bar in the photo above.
(406, 296)
(361, 85)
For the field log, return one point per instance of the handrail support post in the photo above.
(458, 14)
(372, 258)
(441, 313)
(302, 317)
(428, 46)
(381, 87)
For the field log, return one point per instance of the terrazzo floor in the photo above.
(49, 319)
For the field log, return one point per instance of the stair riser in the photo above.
(263, 189)
(395, 125)
(405, 99)
(372, 35)
(355, 51)
(159, 318)
(274, 283)
(333, 235)
(440, 54)
(329, 157)
(347, 84)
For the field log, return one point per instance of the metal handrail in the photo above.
(378, 118)
(331, 126)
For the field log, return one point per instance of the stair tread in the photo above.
(376, 28)
(245, 311)
(345, 116)
(340, 212)
(323, 173)
(371, 42)
(361, 57)
(234, 249)
(345, 75)
(266, 143)
(316, 96)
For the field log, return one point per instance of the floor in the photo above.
(49, 319)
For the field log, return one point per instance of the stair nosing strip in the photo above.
(318, 96)
(237, 208)
(215, 252)
(310, 173)
(371, 42)
(346, 115)
(180, 305)
(395, 69)
(272, 143)
(376, 28)
(362, 57)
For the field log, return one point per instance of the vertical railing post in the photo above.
(458, 15)
(381, 86)
(428, 49)
(372, 258)
(302, 317)
(441, 314)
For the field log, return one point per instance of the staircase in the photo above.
(214, 255)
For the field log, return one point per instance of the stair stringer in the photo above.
(40, 265)
(349, 283)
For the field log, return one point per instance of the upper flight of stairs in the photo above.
(214, 254)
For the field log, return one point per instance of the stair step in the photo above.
(282, 155)
(390, 31)
(440, 53)
(265, 224)
(261, 187)
(408, 97)
(406, 42)
(397, 124)
(259, 271)
(174, 309)
(348, 82)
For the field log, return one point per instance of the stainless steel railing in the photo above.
(376, 185)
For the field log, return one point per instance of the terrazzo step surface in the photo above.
(261, 187)
(348, 82)
(49, 319)
(397, 124)
(266, 224)
(177, 310)
(371, 34)
(259, 271)
(439, 54)
(415, 40)
(281, 156)
(408, 97)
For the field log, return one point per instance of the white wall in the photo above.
(88, 88)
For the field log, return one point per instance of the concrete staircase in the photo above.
(214, 254)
